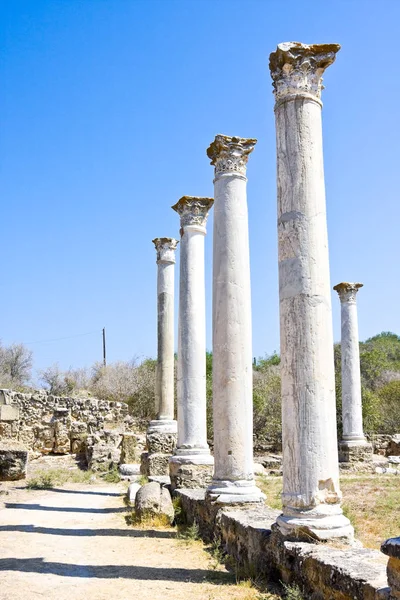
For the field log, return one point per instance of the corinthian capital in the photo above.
(347, 291)
(193, 210)
(297, 69)
(230, 154)
(165, 249)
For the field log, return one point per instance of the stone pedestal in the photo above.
(311, 495)
(392, 549)
(233, 479)
(192, 465)
(353, 446)
(162, 431)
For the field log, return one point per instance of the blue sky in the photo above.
(107, 108)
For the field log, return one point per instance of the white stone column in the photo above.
(192, 464)
(162, 432)
(353, 446)
(311, 495)
(233, 479)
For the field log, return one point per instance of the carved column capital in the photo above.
(297, 69)
(348, 291)
(165, 249)
(193, 211)
(229, 155)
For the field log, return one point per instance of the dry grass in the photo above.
(371, 502)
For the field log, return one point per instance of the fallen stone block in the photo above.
(13, 461)
(152, 500)
(132, 491)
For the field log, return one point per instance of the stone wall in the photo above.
(46, 424)
(250, 536)
(385, 444)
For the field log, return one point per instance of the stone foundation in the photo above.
(185, 474)
(250, 536)
(351, 453)
(392, 549)
(154, 464)
(13, 461)
(160, 447)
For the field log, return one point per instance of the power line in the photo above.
(69, 337)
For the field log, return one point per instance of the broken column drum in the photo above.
(161, 433)
(233, 479)
(192, 464)
(311, 495)
(353, 446)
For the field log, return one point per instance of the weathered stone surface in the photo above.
(163, 443)
(250, 536)
(233, 478)
(258, 469)
(132, 491)
(311, 492)
(132, 447)
(360, 453)
(152, 499)
(9, 413)
(391, 547)
(154, 464)
(394, 446)
(189, 475)
(353, 434)
(103, 452)
(13, 461)
(191, 370)
(132, 469)
(48, 423)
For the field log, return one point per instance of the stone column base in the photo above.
(154, 464)
(355, 452)
(161, 441)
(234, 492)
(191, 471)
(324, 522)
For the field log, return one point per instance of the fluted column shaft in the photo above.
(353, 446)
(233, 478)
(311, 495)
(165, 329)
(192, 447)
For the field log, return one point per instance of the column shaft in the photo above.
(311, 494)
(165, 341)
(192, 449)
(233, 478)
(353, 447)
(161, 433)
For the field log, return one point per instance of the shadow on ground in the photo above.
(139, 533)
(38, 565)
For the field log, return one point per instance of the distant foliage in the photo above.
(15, 366)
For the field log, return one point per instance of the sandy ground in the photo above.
(72, 542)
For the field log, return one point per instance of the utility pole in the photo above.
(104, 347)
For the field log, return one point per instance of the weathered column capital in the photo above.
(193, 212)
(348, 291)
(165, 249)
(229, 155)
(297, 69)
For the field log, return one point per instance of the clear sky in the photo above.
(107, 108)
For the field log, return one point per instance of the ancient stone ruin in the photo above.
(220, 493)
(102, 432)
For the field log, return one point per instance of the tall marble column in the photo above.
(353, 446)
(311, 495)
(233, 479)
(162, 432)
(192, 464)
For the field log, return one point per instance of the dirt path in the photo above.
(72, 542)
